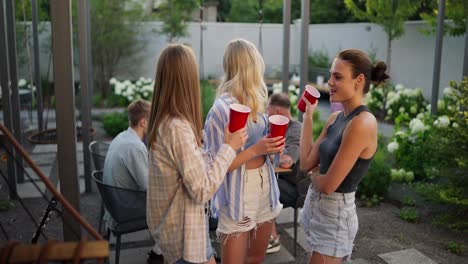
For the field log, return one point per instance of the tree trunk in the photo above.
(389, 53)
(149, 7)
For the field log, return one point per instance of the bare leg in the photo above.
(211, 261)
(259, 242)
(318, 258)
(234, 248)
(274, 233)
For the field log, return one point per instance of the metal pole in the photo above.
(465, 60)
(437, 57)
(85, 82)
(65, 112)
(286, 41)
(6, 104)
(37, 70)
(15, 105)
(304, 47)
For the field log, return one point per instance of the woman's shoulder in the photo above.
(364, 122)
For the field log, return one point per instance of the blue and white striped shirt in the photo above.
(231, 191)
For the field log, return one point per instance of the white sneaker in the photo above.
(273, 245)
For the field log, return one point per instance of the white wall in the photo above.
(412, 55)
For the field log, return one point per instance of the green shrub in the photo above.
(388, 102)
(455, 248)
(208, 93)
(377, 179)
(114, 123)
(409, 214)
(6, 205)
(408, 201)
(371, 201)
(320, 59)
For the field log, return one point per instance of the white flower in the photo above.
(291, 88)
(389, 112)
(416, 125)
(413, 109)
(440, 104)
(113, 81)
(455, 125)
(442, 122)
(401, 110)
(277, 87)
(448, 92)
(399, 87)
(392, 146)
(420, 116)
(399, 133)
(428, 107)
(22, 82)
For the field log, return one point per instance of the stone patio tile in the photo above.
(407, 256)
(286, 216)
(357, 261)
(301, 239)
(131, 256)
(143, 235)
(47, 148)
(282, 256)
(28, 190)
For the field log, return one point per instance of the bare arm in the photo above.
(264, 146)
(359, 138)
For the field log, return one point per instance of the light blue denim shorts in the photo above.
(330, 223)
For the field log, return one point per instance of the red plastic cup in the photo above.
(238, 115)
(310, 93)
(278, 125)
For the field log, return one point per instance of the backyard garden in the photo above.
(418, 180)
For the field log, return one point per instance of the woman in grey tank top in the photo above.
(339, 158)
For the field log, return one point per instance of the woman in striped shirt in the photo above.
(248, 200)
(182, 177)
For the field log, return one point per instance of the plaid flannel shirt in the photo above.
(182, 178)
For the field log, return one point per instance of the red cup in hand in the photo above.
(238, 115)
(310, 93)
(278, 125)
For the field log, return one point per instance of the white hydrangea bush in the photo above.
(388, 102)
(132, 90)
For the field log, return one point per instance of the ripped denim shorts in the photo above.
(257, 207)
(330, 223)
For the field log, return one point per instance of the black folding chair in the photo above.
(98, 151)
(127, 208)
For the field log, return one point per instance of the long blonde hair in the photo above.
(176, 91)
(243, 76)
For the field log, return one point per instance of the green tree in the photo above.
(115, 25)
(456, 12)
(391, 15)
(175, 14)
(322, 12)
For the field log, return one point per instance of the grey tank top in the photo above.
(330, 145)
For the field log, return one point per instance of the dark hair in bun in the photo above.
(378, 75)
(361, 63)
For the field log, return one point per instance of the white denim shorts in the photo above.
(330, 223)
(257, 206)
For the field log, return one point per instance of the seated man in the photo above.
(290, 189)
(126, 163)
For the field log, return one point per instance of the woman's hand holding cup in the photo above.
(267, 145)
(236, 139)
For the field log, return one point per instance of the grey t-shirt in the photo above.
(126, 163)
